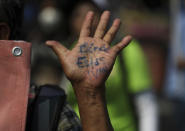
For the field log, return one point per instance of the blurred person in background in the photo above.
(131, 103)
(175, 76)
(44, 20)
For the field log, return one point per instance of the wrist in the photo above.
(92, 104)
(88, 84)
(88, 93)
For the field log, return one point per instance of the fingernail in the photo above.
(90, 13)
(48, 42)
(107, 11)
(117, 21)
(129, 37)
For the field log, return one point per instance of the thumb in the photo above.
(58, 48)
(125, 41)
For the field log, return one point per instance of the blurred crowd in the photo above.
(148, 83)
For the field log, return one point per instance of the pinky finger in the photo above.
(125, 41)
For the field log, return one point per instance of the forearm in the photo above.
(93, 109)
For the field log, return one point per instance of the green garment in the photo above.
(117, 95)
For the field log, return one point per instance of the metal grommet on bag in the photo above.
(17, 51)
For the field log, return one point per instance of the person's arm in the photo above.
(93, 109)
(87, 66)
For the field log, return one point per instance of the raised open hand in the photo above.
(90, 62)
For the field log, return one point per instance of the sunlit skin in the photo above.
(87, 67)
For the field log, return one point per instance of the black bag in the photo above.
(44, 111)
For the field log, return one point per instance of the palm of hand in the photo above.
(92, 59)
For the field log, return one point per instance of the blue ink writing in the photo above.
(83, 48)
(86, 48)
(86, 62)
(82, 62)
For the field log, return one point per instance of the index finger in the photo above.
(86, 27)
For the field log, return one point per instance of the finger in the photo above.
(58, 48)
(86, 27)
(112, 31)
(100, 31)
(125, 41)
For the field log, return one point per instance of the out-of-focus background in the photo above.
(157, 25)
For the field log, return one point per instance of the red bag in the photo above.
(14, 84)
